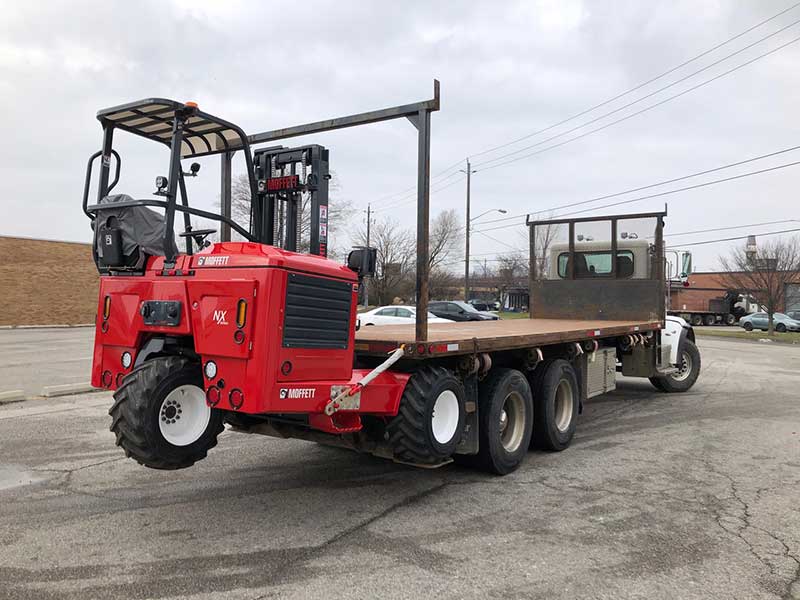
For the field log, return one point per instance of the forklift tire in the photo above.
(431, 418)
(505, 409)
(556, 400)
(687, 374)
(147, 412)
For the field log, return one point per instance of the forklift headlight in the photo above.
(126, 359)
(210, 369)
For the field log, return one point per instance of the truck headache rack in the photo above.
(599, 276)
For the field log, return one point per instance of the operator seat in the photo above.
(125, 236)
(624, 267)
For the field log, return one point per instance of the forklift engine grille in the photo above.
(317, 312)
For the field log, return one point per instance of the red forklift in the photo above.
(262, 338)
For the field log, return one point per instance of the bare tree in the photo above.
(444, 239)
(339, 210)
(512, 271)
(763, 272)
(545, 236)
(396, 249)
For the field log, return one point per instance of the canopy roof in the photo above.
(153, 118)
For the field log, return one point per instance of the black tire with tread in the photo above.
(135, 414)
(669, 385)
(748, 326)
(780, 328)
(410, 433)
(544, 383)
(492, 456)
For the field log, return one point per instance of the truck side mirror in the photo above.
(363, 261)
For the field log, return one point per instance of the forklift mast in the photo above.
(283, 176)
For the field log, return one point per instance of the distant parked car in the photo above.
(455, 310)
(793, 314)
(394, 315)
(760, 320)
(480, 305)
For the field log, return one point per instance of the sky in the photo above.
(507, 70)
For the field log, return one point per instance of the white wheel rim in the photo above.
(444, 420)
(563, 406)
(684, 368)
(512, 422)
(184, 415)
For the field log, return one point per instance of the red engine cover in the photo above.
(295, 342)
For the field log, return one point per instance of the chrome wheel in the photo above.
(512, 422)
(563, 406)
(184, 415)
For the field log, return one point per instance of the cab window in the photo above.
(597, 264)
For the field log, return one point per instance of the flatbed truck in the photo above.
(261, 338)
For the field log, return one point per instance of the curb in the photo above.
(12, 396)
(55, 326)
(53, 391)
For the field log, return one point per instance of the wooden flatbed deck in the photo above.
(487, 336)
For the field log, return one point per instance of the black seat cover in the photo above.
(124, 234)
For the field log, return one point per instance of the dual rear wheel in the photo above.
(512, 417)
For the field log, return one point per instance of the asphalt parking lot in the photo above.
(660, 496)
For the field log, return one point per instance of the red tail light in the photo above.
(236, 398)
(212, 396)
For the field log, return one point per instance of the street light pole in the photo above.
(466, 248)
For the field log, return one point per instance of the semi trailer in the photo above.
(263, 339)
(694, 306)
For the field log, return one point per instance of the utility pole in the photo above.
(466, 248)
(366, 279)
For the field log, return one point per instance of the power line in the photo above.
(629, 104)
(741, 237)
(644, 187)
(672, 235)
(639, 112)
(683, 189)
(414, 198)
(404, 192)
(494, 239)
(639, 86)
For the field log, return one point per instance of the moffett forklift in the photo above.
(263, 338)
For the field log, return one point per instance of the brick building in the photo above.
(43, 282)
(709, 285)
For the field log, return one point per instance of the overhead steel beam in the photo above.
(373, 116)
(225, 195)
(419, 114)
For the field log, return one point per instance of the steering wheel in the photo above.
(199, 236)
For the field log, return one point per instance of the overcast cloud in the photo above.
(506, 69)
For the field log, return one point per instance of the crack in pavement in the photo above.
(320, 549)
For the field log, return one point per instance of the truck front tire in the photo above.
(687, 374)
(431, 418)
(160, 416)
